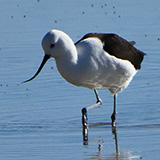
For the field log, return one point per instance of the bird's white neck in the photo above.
(67, 63)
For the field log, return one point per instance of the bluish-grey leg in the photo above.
(85, 118)
(113, 116)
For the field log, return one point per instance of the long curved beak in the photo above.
(46, 57)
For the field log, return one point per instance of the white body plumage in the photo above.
(88, 65)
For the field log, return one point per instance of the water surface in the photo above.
(42, 119)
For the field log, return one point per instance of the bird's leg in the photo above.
(98, 98)
(113, 116)
(96, 105)
(85, 118)
(86, 109)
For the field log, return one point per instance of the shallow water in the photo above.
(42, 119)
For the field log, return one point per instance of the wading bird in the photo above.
(96, 61)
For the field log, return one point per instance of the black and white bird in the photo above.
(96, 61)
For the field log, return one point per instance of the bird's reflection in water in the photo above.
(85, 135)
(114, 132)
(118, 155)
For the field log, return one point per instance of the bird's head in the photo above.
(54, 45)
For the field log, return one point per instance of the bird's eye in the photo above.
(52, 45)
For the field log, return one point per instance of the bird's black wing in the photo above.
(118, 47)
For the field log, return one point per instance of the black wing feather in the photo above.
(118, 47)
